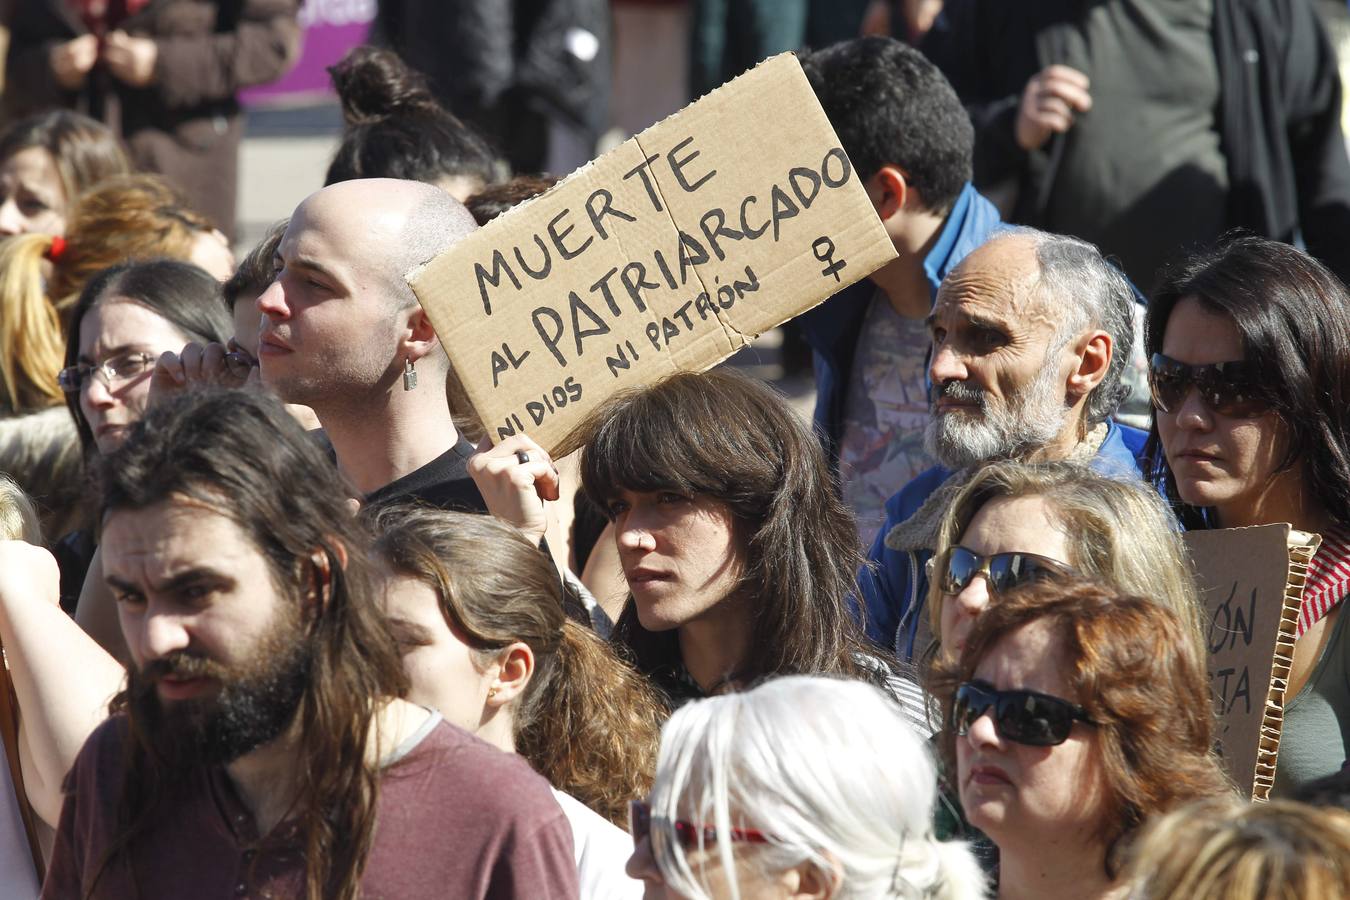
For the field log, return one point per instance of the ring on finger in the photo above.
(522, 457)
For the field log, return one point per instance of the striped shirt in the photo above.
(1328, 578)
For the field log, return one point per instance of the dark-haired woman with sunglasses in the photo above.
(1075, 713)
(801, 787)
(1249, 349)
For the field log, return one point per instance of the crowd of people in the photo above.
(279, 620)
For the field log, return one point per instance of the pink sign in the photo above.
(331, 28)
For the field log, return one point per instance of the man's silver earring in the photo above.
(409, 375)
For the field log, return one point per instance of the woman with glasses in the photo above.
(1018, 522)
(125, 317)
(804, 787)
(1075, 713)
(1249, 349)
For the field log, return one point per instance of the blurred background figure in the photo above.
(533, 75)
(163, 75)
(46, 160)
(395, 128)
(1149, 128)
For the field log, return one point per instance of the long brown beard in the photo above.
(251, 706)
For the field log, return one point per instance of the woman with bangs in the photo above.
(1249, 349)
(738, 553)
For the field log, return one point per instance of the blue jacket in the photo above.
(833, 327)
(894, 585)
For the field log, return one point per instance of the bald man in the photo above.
(343, 334)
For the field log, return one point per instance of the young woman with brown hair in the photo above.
(479, 612)
(738, 553)
(46, 161)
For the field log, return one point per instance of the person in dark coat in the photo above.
(163, 74)
(1151, 127)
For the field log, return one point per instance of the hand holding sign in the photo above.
(515, 478)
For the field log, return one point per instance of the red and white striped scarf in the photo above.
(1328, 578)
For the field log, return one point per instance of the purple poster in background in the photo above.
(331, 28)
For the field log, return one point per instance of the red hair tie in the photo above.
(57, 248)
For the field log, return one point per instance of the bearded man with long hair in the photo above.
(260, 748)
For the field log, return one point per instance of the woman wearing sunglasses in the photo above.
(1250, 370)
(1075, 714)
(1017, 522)
(804, 787)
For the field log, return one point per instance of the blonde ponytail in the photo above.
(32, 347)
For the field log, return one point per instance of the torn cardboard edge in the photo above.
(1302, 547)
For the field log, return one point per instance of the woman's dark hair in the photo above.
(85, 151)
(396, 129)
(495, 199)
(586, 721)
(727, 437)
(1294, 318)
(179, 292)
(229, 450)
(1132, 665)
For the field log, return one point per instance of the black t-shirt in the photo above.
(444, 483)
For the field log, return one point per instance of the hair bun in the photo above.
(373, 83)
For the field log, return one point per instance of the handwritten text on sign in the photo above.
(1250, 598)
(669, 253)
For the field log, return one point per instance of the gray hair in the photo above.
(1083, 290)
(830, 770)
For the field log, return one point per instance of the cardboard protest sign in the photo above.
(668, 253)
(1251, 583)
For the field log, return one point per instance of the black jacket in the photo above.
(1278, 117)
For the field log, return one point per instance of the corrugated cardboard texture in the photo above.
(669, 253)
(1251, 584)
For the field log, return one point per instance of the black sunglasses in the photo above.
(1004, 571)
(1227, 388)
(1027, 717)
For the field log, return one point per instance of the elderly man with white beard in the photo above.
(1030, 336)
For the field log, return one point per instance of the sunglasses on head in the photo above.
(1026, 717)
(1004, 571)
(1227, 388)
(686, 833)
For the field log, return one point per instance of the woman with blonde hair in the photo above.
(1224, 849)
(479, 612)
(125, 218)
(1015, 522)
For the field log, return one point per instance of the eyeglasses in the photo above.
(113, 371)
(1027, 717)
(1004, 571)
(686, 833)
(1227, 388)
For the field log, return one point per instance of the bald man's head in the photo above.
(388, 227)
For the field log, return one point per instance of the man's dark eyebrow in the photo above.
(975, 319)
(173, 583)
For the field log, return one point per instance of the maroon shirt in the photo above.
(456, 817)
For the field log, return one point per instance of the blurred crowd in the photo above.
(278, 619)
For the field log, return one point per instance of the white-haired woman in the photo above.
(802, 787)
